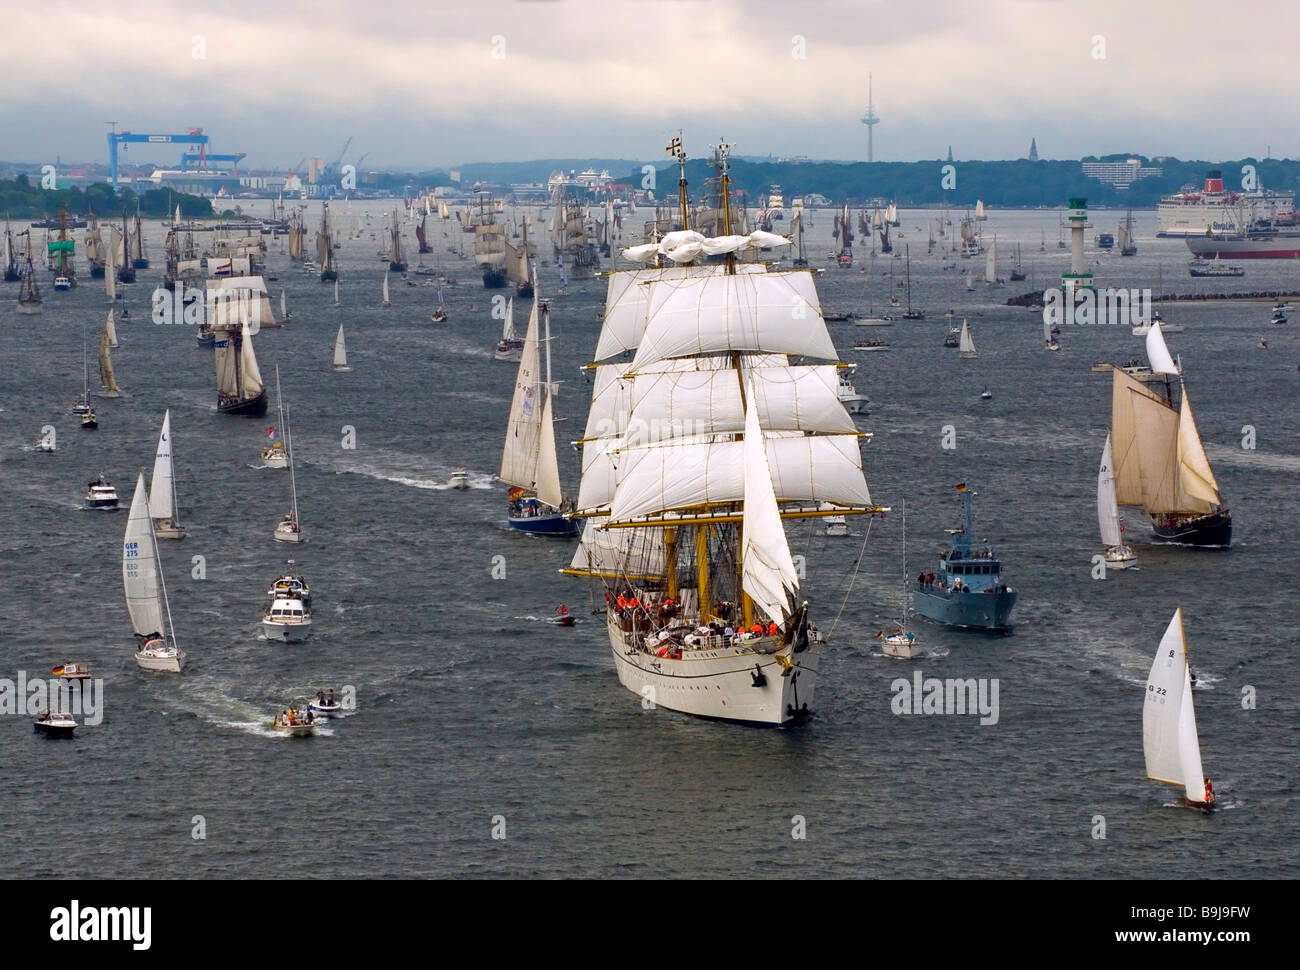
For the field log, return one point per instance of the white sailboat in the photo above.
(284, 307)
(536, 504)
(510, 346)
(146, 592)
(966, 346)
(1118, 555)
(110, 265)
(1049, 340)
(1169, 739)
(82, 404)
(340, 353)
(289, 529)
(110, 328)
(386, 302)
(274, 454)
(163, 507)
(900, 642)
(336, 294)
(991, 263)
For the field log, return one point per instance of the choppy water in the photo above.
(471, 706)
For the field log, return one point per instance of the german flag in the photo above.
(961, 487)
(58, 670)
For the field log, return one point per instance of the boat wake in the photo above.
(411, 478)
(1268, 460)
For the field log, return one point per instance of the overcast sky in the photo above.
(435, 83)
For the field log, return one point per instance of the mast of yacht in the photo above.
(293, 482)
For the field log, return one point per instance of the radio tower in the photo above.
(870, 119)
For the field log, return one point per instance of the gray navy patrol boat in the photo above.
(968, 590)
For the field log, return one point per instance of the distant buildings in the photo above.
(1119, 174)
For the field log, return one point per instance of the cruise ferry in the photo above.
(1212, 210)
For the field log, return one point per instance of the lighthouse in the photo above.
(1078, 278)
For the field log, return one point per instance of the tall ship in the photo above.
(968, 590)
(95, 248)
(490, 242)
(844, 233)
(775, 204)
(65, 273)
(240, 389)
(1214, 211)
(396, 261)
(695, 451)
(325, 247)
(139, 254)
(421, 236)
(122, 259)
(1160, 463)
(297, 238)
(517, 263)
(13, 273)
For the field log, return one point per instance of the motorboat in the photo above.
(54, 724)
(101, 495)
(287, 619)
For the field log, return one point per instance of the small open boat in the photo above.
(562, 616)
(54, 724)
(295, 722)
(325, 704)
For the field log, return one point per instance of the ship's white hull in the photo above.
(289, 633)
(287, 535)
(719, 683)
(275, 461)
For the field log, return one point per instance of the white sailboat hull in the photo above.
(169, 662)
(165, 529)
(718, 683)
(278, 460)
(285, 535)
(900, 645)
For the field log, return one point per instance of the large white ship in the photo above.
(695, 451)
(1213, 211)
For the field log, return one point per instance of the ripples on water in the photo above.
(471, 706)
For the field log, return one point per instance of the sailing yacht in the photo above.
(274, 455)
(510, 346)
(285, 316)
(288, 528)
(900, 642)
(106, 377)
(340, 353)
(125, 269)
(1118, 555)
(991, 263)
(528, 462)
(1049, 338)
(146, 591)
(909, 313)
(693, 454)
(1160, 463)
(163, 507)
(384, 301)
(966, 343)
(1169, 740)
(110, 329)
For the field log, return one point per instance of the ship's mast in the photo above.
(676, 151)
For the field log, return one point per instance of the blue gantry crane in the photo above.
(115, 138)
